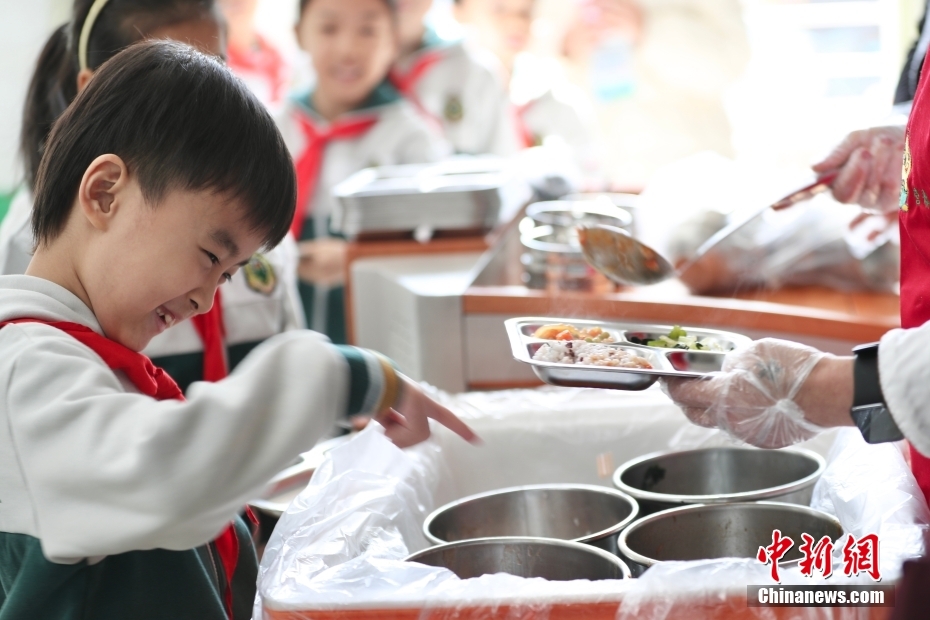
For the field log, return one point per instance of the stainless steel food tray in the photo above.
(459, 194)
(665, 362)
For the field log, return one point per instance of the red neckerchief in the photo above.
(914, 219)
(212, 333)
(523, 131)
(406, 82)
(151, 381)
(262, 59)
(310, 162)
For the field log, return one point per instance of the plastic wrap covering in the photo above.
(338, 550)
(809, 244)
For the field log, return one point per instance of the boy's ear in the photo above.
(104, 181)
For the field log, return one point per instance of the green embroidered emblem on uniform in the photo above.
(453, 110)
(259, 275)
(905, 173)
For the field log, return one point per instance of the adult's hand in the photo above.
(771, 394)
(869, 165)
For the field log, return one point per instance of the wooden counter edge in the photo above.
(717, 312)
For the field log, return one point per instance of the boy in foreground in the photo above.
(161, 179)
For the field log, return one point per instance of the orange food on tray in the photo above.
(566, 332)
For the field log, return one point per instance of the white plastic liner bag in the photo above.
(340, 545)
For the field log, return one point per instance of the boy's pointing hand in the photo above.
(407, 423)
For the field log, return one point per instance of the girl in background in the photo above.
(252, 57)
(352, 119)
(546, 106)
(460, 89)
(259, 302)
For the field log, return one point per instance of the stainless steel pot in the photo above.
(719, 475)
(576, 512)
(555, 560)
(566, 215)
(627, 202)
(550, 260)
(705, 532)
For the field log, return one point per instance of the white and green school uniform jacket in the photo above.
(108, 498)
(261, 300)
(399, 135)
(464, 91)
(550, 108)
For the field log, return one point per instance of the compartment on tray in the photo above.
(529, 330)
(655, 360)
(695, 361)
(710, 339)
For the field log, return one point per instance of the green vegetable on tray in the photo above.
(678, 338)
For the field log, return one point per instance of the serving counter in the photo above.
(438, 309)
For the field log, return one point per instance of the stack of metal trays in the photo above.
(454, 195)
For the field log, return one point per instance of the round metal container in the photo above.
(555, 560)
(549, 260)
(719, 475)
(705, 532)
(627, 202)
(576, 512)
(566, 215)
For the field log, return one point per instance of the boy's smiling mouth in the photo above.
(166, 318)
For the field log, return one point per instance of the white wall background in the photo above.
(24, 27)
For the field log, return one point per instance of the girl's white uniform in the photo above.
(92, 468)
(399, 135)
(463, 90)
(260, 301)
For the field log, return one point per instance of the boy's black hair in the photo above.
(54, 81)
(179, 120)
(391, 4)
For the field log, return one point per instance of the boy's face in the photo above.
(352, 45)
(147, 267)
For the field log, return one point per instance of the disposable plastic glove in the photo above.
(754, 397)
(869, 164)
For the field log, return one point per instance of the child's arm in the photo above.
(109, 471)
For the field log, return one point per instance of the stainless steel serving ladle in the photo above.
(628, 261)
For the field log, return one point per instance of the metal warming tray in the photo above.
(664, 362)
(458, 194)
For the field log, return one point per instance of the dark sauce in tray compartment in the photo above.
(695, 361)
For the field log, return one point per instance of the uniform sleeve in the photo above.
(294, 317)
(111, 471)
(421, 144)
(905, 382)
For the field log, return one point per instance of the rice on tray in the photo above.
(589, 354)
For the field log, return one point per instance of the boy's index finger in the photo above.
(453, 423)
